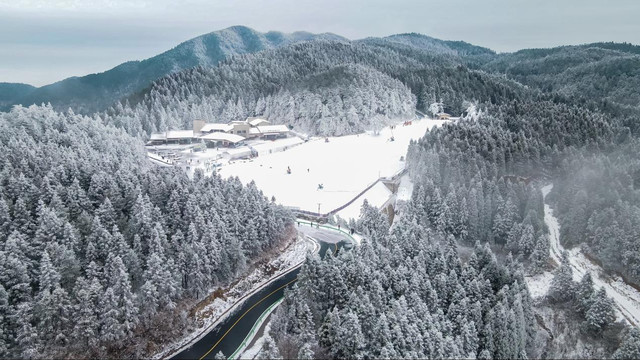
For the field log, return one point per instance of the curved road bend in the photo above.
(229, 335)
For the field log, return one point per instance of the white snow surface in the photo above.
(159, 160)
(253, 351)
(269, 147)
(539, 284)
(405, 189)
(625, 297)
(345, 165)
(376, 196)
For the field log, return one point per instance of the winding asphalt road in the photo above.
(229, 335)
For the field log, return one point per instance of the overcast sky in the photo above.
(43, 41)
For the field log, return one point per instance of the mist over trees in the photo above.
(607, 72)
(598, 201)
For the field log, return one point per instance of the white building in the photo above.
(225, 135)
(172, 137)
(222, 139)
(270, 132)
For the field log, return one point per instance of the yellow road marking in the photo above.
(245, 313)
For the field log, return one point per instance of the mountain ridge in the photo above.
(96, 91)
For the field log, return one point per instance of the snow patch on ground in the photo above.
(200, 51)
(405, 189)
(626, 298)
(539, 284)
(253, 351)
(211, 314)
(377, 196)
(345, 166)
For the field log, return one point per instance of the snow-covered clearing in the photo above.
(405, 189)
(212, 314)
(539, 284)
(377, 196)
(626, 298)
(345, 166)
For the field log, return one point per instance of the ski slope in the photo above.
(377, 196)
(345, 166)
(626, 298)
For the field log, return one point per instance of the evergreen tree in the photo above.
(601, 312)
(630, 348)
(584, 293)
(562, 287)
(269, 349)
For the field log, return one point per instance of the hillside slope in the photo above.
(9, 92)
(96, 91)
(599, 71)
(319, 87)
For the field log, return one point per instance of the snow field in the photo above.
(345, 166)
(376, 196)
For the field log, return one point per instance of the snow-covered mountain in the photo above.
(95, 91)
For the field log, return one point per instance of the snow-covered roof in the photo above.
(257, 122)
(158, 136)
(221, 136)
(216, 127)
(273, 129)
(179, 134)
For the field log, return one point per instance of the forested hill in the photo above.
(100, 250)
(601, 71)
(10, 92)
(93, 92)
(323, 87)
(433, 45)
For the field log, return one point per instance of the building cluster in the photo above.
(215, 135)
